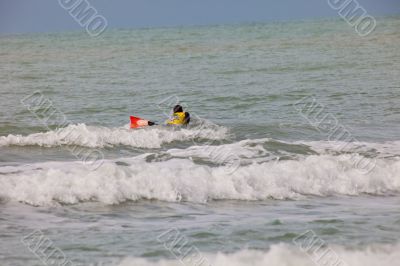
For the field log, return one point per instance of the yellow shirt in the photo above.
(177, 119)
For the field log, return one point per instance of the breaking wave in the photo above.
(99, 137)
(189, 175)
(282, 254)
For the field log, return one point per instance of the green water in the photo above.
(241, 84)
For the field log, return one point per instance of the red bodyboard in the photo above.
(134, 121)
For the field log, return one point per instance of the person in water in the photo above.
(179, 117)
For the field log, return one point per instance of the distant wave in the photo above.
(99, 137)
(282, 254)
(168, 177)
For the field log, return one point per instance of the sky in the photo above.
(22, 16)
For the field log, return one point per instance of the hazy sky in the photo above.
(18, 16)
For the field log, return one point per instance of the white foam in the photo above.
(99, 137)
(246, 150)
(383, 149)
(182, 179)
(264, 150)
(257, 148)
(285, 255)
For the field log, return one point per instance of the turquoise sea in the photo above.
(292, 156)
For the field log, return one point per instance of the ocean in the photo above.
(292, 156)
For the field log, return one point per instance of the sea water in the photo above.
(292, 156)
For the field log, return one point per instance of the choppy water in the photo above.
(250, 174)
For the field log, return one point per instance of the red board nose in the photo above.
(134, 121)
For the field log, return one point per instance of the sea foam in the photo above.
(283, 254)
(182, 179)
(99, 137)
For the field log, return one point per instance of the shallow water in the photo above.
(94, 232)
(251, 173)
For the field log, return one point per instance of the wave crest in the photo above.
(183, 180)
(99, 137)
(282, 254)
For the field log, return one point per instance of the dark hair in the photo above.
(178, 109)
